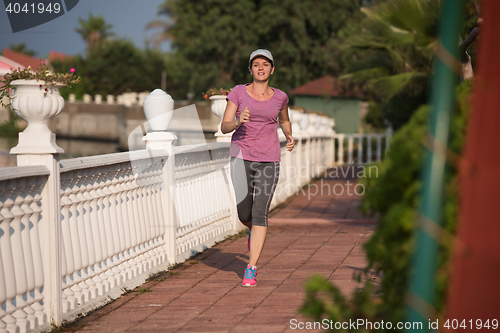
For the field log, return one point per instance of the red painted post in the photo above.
(475, 287)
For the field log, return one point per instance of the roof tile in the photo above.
(327, 86)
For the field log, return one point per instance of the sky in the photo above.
(127, 17)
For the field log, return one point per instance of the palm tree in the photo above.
(94, 31)
(21, 48)
(165, 26)
(399, 37)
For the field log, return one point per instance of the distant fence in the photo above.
(360, 149)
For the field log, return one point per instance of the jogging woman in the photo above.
(252, 111)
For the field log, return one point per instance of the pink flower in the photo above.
(43, 61)
(72, 70)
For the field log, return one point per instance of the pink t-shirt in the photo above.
(258, 139)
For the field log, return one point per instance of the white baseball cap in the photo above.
(261, 52)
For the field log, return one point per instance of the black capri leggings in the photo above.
(254, 184)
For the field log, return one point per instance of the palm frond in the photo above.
(163, 35)
(365, 74)
(365, 43)
(389, 86)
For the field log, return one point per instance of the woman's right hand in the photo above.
(245, 116)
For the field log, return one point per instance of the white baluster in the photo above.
(117, 211)
(109, 245)
(165, 200)
(123, 218)
(78, 202)
(162, 216)
(102, 285)
(136, 226)
(70, 301)
(37, 252)
(85, 198)
(144, 257)
(7, 258)
(65, 305)
(104, 265)
(3, 291)
(129, 212)
(75, 239)
(157, 196)
(180, 209)
(149, 214)
(26, 225)
(146, 214)
(18, 258)
(155, 224)
(113, 218)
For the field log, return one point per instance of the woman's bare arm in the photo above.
(286, 127)
(229, 124)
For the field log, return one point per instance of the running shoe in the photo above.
(249, 234)
(249, 280)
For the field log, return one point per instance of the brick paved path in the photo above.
(311, 234)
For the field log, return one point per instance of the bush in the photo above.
(394, 195)
(10, 129)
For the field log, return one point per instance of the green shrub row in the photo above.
(394, 197)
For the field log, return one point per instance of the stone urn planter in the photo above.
(158, 109)
(218, 107)
(37, 107)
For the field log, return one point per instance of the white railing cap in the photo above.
(23, 171)
(201, 147)
(109, 159)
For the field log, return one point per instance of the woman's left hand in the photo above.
(290, 141)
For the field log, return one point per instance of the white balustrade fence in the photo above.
(128, 99)
(203, 198)
(120, 222)
(112, 225)
(21, 242)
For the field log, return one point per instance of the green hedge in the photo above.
(394, 196)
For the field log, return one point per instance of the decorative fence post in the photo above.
(163, 141)
(158, 108)
(37, 147)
